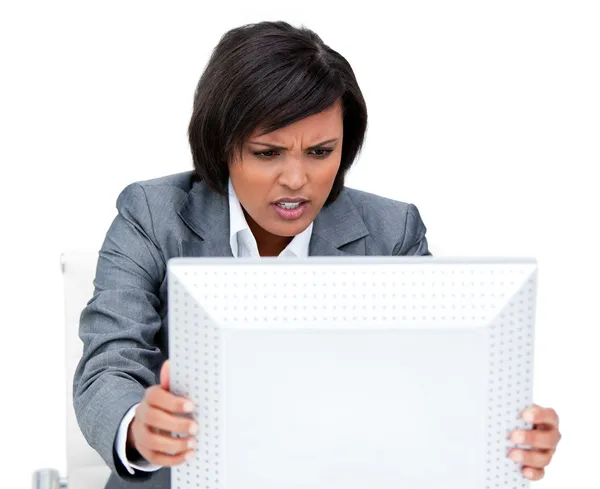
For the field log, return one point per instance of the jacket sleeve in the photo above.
(118, 326)
(413, 242)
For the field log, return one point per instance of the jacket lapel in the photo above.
(206, 213)
(337, 230)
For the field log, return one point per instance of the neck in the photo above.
(268, 244)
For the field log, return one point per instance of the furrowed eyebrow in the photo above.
(273, 146)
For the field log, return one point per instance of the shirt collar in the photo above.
(238, 228)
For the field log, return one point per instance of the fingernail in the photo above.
(528, 416)
(190, 456)
(188, 406)
(518, 437)
(194, 428)
(191, 443)
(516, 456)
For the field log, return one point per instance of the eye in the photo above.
(265, 154)
(321, 152)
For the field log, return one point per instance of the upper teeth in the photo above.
(289, 205)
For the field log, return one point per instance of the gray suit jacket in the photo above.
(124, 325)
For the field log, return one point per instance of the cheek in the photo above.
(324, 175)
(250, 179)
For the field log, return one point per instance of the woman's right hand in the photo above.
(157, 417)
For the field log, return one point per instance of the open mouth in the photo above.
(290, 210)
(289, 205)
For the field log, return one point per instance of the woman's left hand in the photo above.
(543, 438)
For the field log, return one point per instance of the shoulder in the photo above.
(176, 184)
(168, 190)
(396, 225)
(177, 181)
(367, 201)
(152, 207)
(378, 210)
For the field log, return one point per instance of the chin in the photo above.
(289, 229)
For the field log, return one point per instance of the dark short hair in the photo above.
(269, 75)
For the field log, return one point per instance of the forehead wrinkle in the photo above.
(292, 140)
(315, 129)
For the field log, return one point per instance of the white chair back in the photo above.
(85, 468)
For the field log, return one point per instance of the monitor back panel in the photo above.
(348, 374)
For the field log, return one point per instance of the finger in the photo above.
(536, 438)
(165, 377)
(531, 458)
(166, 460)
(532, 473)
(160, 398)
(155, 442)
(540, 416)
(161, 420)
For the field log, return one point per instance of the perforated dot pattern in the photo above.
(510, 338)
(196, 336)
(207, 297)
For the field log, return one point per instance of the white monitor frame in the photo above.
(386, 372)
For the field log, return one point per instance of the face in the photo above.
(284, 177)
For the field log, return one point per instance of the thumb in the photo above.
(165, 381)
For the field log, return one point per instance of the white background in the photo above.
(485, 115)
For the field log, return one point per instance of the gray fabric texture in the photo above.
(124, 325)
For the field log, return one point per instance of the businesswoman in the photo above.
(278, 120)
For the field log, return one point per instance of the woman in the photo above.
(277, 122)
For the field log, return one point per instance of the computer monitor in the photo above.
(346, 373)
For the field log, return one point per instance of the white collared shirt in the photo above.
(242, 240)
(243, 244)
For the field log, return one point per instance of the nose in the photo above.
(294, 174)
